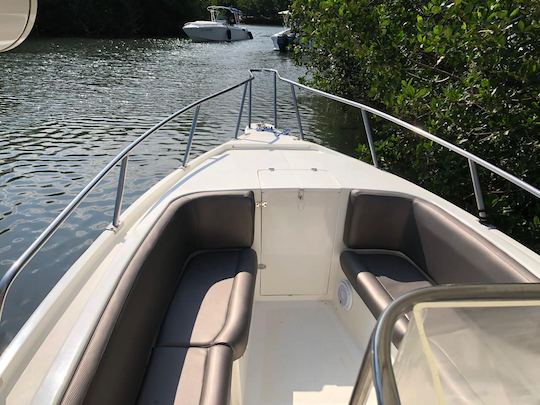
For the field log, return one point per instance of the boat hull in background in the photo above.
(282, 40)
(215, 32)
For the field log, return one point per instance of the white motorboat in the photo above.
(270, 270)
(283, 39)
(223, 26)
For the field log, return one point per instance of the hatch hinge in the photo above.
(261, 266)
(262, 204)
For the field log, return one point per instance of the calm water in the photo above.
(67, 106)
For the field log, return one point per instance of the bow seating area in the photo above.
(398, 244)
(181, 312)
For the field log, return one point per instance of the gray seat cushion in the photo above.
(443, 250)
(452, 253)
(396, 275)
(380, 278)
(438, 243)
(213, 302)
(113, 366)
(183, 376)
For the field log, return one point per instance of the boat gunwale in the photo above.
(141, 216)
(8, 278)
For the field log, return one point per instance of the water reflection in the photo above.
(67, 106)
(337, 126)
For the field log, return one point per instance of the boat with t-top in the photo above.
(285, 37)
(223, 26)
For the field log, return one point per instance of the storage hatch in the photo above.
(298, 224)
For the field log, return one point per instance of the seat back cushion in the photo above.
(453, 253)
(377, 221)
(113, 365)
(222, 220)
(443, 247)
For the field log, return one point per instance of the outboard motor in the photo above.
(283, 42)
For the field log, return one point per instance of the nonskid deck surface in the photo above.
(299, 353)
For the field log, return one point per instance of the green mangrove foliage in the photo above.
(465, 70)
(262, 10)
(115, 17)
(136, 17)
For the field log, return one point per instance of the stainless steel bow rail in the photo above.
(376, 369)
(472, 159)
(7, 279)
(122, 158)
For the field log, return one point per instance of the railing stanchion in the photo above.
(367, 127)
(240, 112)
(120, 192)
(275, 99)
(364, 381)
(297, 112)
(482, 214)
(249, 105)
(191, 133)
(10, 275)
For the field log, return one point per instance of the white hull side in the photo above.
(215, 33)
(274, 41)
(277, 35)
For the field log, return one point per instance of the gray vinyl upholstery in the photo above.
(213, 302)
(187, 376)
(381, 278)
(399, 244)
(210, 233)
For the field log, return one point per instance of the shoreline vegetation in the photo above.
(139, 18)
(467, 71)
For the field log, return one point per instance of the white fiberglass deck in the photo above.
(299, 353)
(302, 347)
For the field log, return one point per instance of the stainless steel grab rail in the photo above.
(377, 363)
(472, 159)
(11, 274)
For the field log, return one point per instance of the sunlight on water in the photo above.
(67, 106)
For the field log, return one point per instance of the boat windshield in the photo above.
(471, 352)
(229, 15)
(285, 15)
